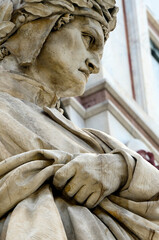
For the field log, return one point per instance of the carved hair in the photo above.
(19, 17)
(66, 18)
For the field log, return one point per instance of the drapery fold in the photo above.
(29, 207)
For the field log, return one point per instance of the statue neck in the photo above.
(25, 88)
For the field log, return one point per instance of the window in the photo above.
(154, 51)
(154, 81)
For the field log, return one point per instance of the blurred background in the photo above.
(123, 99)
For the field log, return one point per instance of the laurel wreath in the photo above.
(14, 13)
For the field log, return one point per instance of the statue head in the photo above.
(57, 42)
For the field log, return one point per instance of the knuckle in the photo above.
(58, 179)
(89, 205)
(59, 175)
(78, 199)
(68, 191)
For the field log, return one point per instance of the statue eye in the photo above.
(88, 39)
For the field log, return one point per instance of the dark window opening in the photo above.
(154, 50)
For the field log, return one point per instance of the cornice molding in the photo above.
(129, 104)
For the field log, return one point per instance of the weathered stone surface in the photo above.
(56, 180)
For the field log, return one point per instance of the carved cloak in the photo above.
(34, 143)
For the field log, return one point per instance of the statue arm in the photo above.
(143, 178)
(89, 178)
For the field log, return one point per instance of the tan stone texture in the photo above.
(58, 181)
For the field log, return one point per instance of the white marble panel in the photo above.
(115, 57)
(75, 117)
(98, 121)
(106, 122)
(117, 130)
(140, 52)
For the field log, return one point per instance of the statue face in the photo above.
(70, 55)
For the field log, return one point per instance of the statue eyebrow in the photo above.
(100, 38)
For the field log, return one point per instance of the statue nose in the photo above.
(93, 65)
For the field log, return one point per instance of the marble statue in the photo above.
(57, 181)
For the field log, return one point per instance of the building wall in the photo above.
(115, 59)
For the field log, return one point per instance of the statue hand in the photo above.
(89, 178)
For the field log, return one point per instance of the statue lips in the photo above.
(85, 72)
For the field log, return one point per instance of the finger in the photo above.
(72, 187)
(92, 200)
(63, 175)
(56, 167)
(82, 194)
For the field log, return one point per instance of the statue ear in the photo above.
(27, 42)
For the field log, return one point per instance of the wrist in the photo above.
(122, 169)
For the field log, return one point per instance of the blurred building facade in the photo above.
(123, 99)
